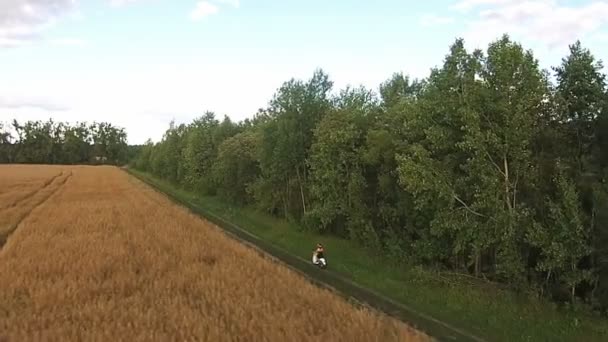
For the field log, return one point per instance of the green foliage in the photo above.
(581, 97)
(564, 240)
(200, 150)
(52, 142)
(236, 166)
(6, 144)
(143, 159)
(338, 183)
(456, 171)
(287, 136)
(600, 243)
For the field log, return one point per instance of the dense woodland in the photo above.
(490, 166)
(38, 142)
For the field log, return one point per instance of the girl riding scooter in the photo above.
(317, 256)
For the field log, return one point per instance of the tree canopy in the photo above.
(487, 166)
(40, 142)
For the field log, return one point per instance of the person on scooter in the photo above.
(318, 253)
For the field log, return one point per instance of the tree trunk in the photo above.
(573, 288)
(572, 293)
(546, 283)
(594, 256)
(507, 186)
(301, 190)
(478, 264)
(579, 152)
(286, 200)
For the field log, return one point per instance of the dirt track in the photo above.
(328, 279)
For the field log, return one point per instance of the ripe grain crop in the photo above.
(19, 181)
(31, 189)
(106, 258)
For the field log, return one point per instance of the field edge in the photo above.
(347, 288)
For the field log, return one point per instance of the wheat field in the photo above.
(97, 255)
(19, 181)
(22, 188)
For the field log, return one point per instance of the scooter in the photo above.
(320, 262)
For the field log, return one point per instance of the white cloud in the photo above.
(207, 8)
(67, 42)
(233, 3)
(118, 3)
(203, 9)
(543, 21)
(32, 102)
(428, 20)
(467, 5)
(22, 21)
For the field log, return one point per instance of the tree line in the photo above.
(49, 142)
(489, 166)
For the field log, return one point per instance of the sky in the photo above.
(142, 63)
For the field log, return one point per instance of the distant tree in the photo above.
(200, 152)
(565, 240)
(236, 166)
(337, 171)
(287, 137)
(61, 143)
(581, 96)
(582, 109)
(6, 144)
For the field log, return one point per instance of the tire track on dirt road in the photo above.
(43, 199)
(32, 193)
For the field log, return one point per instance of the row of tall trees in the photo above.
(488, 166)
(50, 142)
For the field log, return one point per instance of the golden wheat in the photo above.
(18, 181)
(29, 189)
(106, 258)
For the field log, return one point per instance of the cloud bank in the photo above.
(32, 102)
(22, 21)
(545, 21)
(204, 9)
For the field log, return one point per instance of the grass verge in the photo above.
(478, 308)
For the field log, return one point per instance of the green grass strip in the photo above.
(449, 308)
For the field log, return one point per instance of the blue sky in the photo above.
(141, 63)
